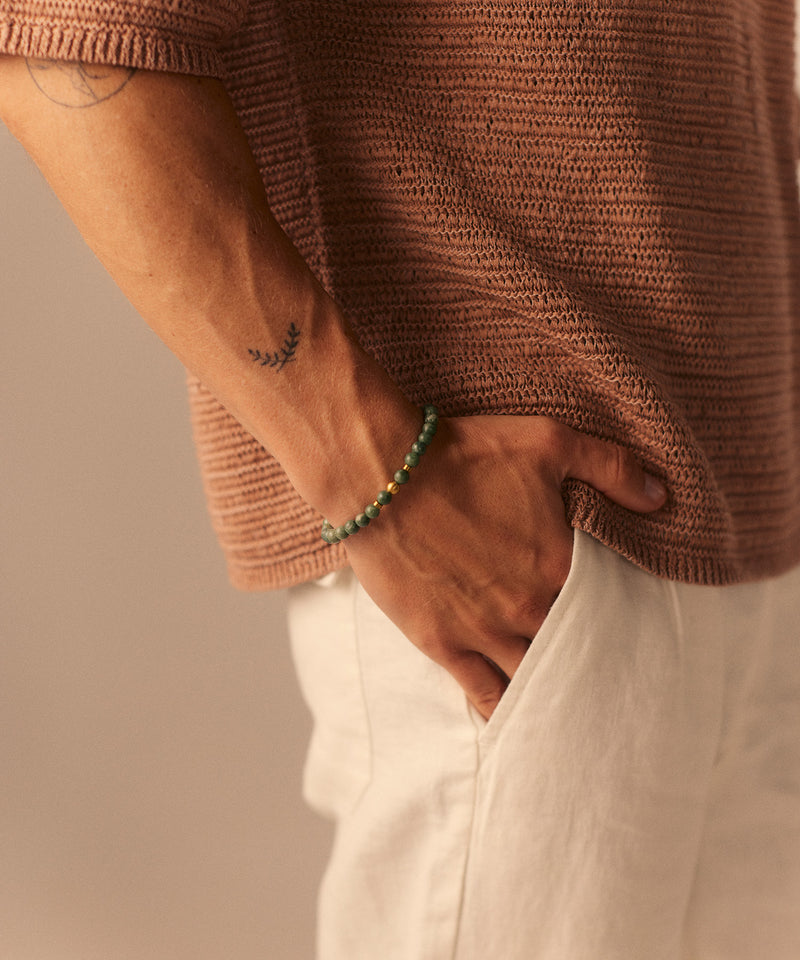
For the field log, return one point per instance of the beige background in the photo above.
(151, 732)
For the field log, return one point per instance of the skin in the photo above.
(157, 175)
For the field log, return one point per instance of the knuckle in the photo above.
(531, 612)
(529, 609)
(485, 691)
(445, 646)
(486, 700)
(480, 678)
(621, 465)
(434, 645)
(526, 609)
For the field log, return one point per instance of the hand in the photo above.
(468, 560)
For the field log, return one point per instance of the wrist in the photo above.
(332, 533)
(358, 439)
(345, 426)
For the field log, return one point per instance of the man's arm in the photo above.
(157, 175)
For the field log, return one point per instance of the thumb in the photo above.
(614, 471)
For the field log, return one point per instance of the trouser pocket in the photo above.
(554, 629)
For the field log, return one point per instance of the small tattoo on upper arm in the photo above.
(71, 83)
(283, 356)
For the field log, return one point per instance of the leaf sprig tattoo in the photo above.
(283, 356)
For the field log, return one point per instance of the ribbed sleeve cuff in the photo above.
(149, 36)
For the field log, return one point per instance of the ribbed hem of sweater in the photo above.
(287, 573)
(661, 559)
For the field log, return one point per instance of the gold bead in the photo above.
(393, 487)
(376, 504)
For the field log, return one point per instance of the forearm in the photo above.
(159, 179)
(161, 183)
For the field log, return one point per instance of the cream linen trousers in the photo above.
(635, 796)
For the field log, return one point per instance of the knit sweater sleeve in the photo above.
(183, 36)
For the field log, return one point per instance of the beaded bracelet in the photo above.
(331, 534)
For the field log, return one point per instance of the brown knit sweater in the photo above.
(581, 208)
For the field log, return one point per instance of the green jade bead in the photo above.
(418, 447)
(401, 476)
(372, 511)
(412, 459)
(384, 497)
(341, 533)
(351, 527)
(362, 520)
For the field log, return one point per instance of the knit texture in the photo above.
(585, 209)
(178, 35)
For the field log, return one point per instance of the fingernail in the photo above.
(654, 489)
